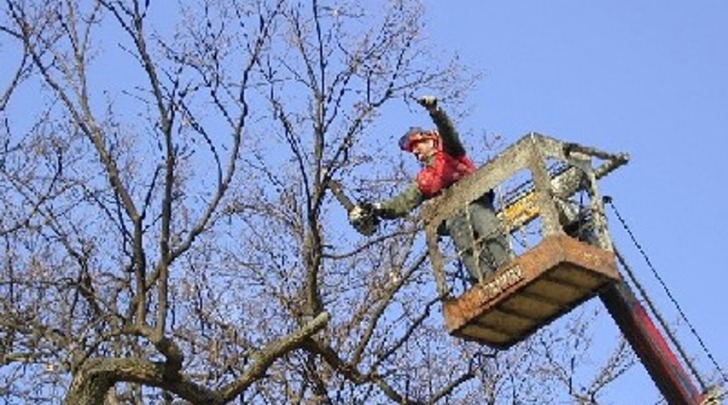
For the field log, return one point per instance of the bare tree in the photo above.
(168, 234)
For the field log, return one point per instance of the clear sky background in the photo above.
(646, 77)
(649, 78)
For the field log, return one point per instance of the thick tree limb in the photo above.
(99, 375)
(264, 359)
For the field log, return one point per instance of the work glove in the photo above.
(357, 214)
(429, 102)
(364, 218)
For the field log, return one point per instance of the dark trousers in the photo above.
(477, 236)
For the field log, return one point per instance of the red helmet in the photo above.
(414, 135)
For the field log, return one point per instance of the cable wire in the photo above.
(660, 319)
(608, 200)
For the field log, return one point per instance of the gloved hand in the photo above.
(364, 218)
(357, 214)
(363, 211)
(429, 102)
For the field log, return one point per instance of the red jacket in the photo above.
(442, 171)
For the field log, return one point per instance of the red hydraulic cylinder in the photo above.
(646, 340)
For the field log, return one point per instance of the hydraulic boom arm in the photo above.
(646, 340)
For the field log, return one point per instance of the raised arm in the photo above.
(451, 143)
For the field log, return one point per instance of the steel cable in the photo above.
(608, 200)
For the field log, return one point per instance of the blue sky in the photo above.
(649, 78)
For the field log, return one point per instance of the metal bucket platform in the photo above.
(530, 291)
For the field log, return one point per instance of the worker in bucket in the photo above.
(481, 245)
